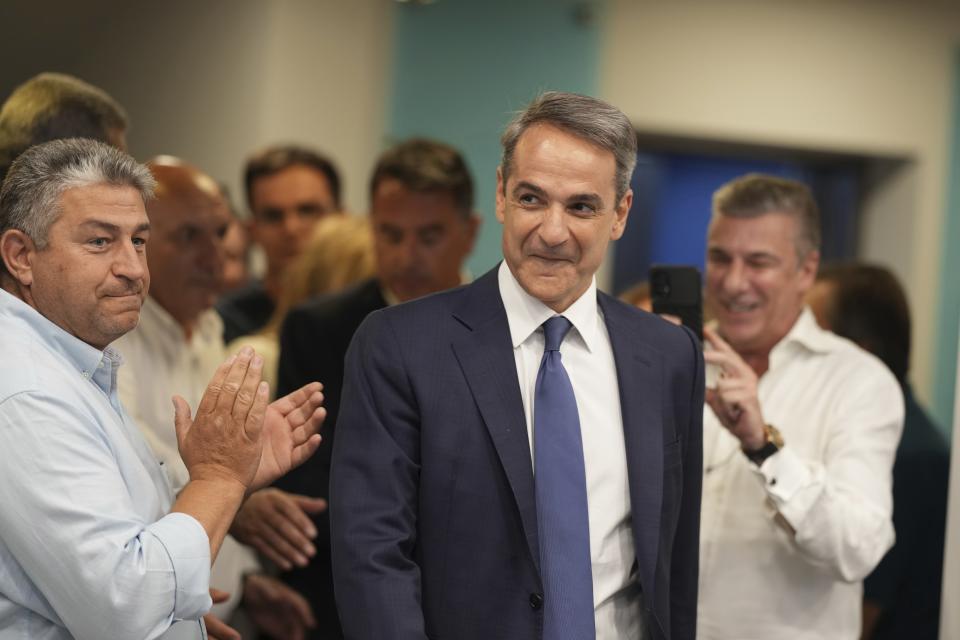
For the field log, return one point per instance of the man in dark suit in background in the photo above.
(289, 189)
(483, 486)
(423, 228)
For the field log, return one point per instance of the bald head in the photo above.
(189, 218)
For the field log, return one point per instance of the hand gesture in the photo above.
(290, 433)
(276, 609)
(276, 524)
(734, 400)
(224, 440)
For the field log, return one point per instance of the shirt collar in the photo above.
(525, 314)
(85, 358)
(805, 334)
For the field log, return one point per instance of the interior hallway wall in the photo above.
(212, 81)
(858, 76)
(462, 68)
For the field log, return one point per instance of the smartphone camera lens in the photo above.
(661, 285)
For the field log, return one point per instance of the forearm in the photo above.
(835, 523)
(214, 504)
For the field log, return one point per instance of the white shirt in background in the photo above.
(784, 548)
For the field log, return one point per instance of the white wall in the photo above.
(859, 76)
(212, 81)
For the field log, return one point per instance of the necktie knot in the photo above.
(554, 331)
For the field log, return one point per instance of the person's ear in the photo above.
(809, 265)
(17, 250)
(501, 195)
(622, 212)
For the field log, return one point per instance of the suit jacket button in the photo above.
(536, 601)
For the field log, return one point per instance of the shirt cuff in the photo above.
(188, 546)
(784, 476)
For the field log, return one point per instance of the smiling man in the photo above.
(520, 458)
(800, 431)
(93, 542)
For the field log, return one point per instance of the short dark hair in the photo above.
(423, 165)
(868, 306)
(54, 106)
(586, 117)
(271, 160)
(756, 194)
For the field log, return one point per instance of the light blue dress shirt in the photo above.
(88, 548)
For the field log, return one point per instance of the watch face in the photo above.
(774, 436)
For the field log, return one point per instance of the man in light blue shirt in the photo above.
(93, 544)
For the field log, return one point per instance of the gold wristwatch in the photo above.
(773, 442)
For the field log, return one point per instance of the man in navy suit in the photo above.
(522, 457)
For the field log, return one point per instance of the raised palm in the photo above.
(290, 435)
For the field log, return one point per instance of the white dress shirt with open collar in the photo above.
(784, 547)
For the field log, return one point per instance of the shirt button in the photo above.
(536, 601)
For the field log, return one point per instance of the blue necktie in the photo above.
(561, 488)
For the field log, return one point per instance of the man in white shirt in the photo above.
(92, 541)
(800, 431)
(177, 346)
(520, 457)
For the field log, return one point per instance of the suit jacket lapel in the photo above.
(485, 354)
(639, 373)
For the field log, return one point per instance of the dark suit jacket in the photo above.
(313, 343)
(433, 516)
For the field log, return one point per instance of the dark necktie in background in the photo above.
(561, 488)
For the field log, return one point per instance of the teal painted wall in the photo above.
(949, 316)
(462, 67)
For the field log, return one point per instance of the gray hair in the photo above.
(757, 194)
(30, 197)
(588, 118)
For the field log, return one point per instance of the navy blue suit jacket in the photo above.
(433, 515)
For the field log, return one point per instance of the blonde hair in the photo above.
(340, 253)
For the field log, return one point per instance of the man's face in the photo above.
(755, 280)
(285, 206)
(186, 251)
(420, 239)
(559, 213)
(92, 277)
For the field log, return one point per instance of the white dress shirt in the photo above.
(159, 363)
(87, 546)
(588, 359)
(784, 547)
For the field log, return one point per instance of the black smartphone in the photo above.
(676, 290)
